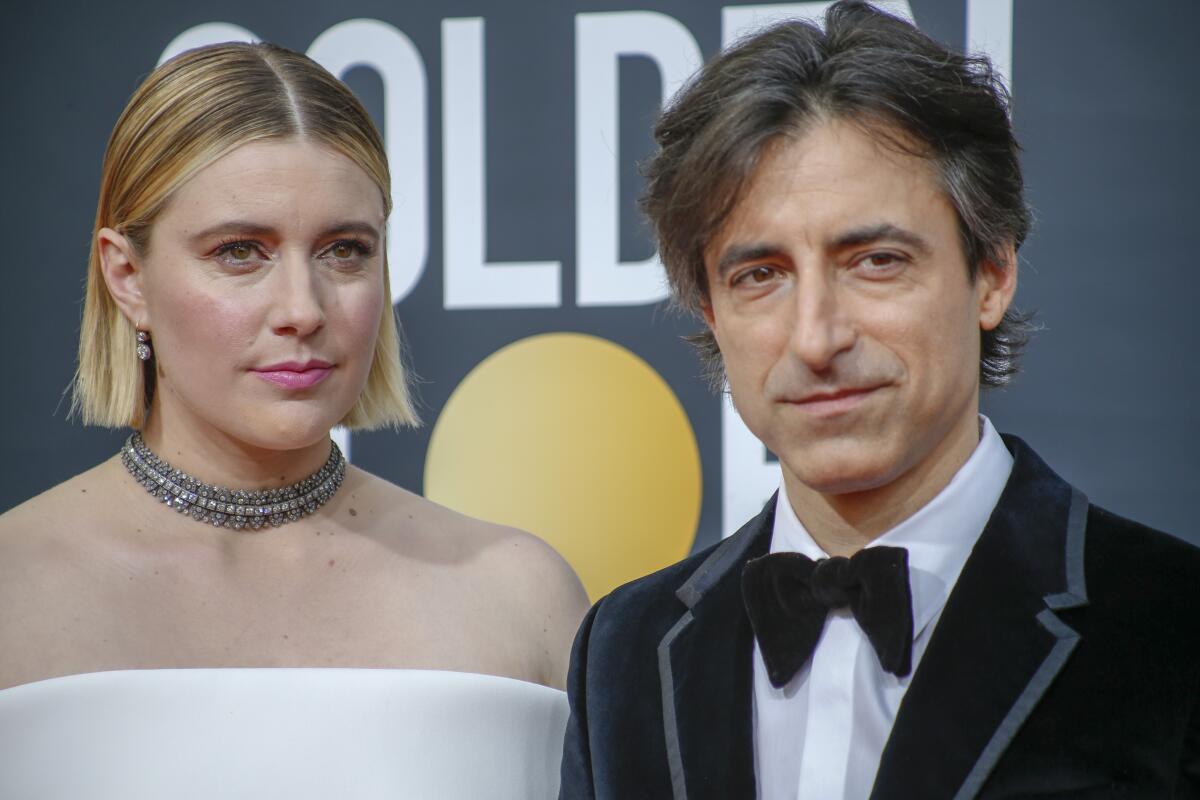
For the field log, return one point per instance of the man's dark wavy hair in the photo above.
(866, 67)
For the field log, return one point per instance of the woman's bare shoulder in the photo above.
(538, 589)
(525, 579)
(47, 521)
(511, 554)
(51, 549)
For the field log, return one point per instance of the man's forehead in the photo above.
(838, 179)
(823, 155)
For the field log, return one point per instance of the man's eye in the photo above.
(880, 262)
(756, 275)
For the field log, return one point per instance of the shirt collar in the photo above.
(938, 537)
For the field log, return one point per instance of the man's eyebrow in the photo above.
(741, 253)
(870, 234)
(244, 228)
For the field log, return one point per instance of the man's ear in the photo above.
(123, 275)
(707, 311)
(996, 284)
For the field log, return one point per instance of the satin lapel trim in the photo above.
(1012, 722)
(670, 723)
(998, 638)
(1076, 593)
(720, 571)
(1068, 638)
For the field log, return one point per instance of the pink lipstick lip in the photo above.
(295, 366)
(295, 375)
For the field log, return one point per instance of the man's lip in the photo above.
(834, 394)
(295, 366)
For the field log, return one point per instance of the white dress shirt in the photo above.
(821, 736)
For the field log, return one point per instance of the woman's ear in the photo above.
(123, 275)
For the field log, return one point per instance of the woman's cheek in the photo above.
(365, 313)
(212, 328)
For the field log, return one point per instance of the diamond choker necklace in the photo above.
(231, 508)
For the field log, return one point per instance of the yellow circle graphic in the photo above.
(579, 441)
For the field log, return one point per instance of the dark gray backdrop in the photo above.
(1106, 106)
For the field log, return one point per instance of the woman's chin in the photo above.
(287, 432)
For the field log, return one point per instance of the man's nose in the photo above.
(296, 306)
(821, 329)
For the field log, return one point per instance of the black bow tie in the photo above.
(788, 596)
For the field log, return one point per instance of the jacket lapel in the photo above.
(704, 665)
(999, 643)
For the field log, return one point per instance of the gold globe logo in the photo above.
(576, 439)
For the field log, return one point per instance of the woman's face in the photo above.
(263, 291)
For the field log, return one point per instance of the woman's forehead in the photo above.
(292, 180)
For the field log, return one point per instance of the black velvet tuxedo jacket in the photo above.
(1066, 663)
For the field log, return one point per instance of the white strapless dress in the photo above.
(170, 734)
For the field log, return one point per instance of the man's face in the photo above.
(842, 303)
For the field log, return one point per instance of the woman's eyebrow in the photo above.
(245, 228)
(238, 227)
(351, 226)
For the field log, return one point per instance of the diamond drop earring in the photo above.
(143, 346)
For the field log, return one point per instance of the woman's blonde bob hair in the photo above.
(188, 113)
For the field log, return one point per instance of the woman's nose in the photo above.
(296, 307)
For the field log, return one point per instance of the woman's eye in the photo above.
(342, 250)
(347, 250)
(238, 252)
